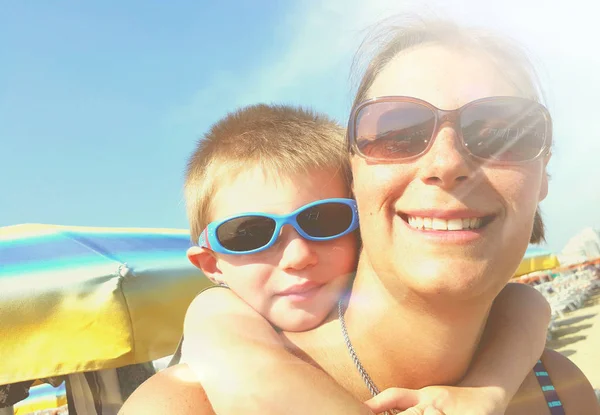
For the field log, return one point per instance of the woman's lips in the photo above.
(452, 227)
(447, 224)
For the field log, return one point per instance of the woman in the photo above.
(449, 148)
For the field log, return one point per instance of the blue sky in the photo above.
(102, 102)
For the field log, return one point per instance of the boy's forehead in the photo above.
(256, 190)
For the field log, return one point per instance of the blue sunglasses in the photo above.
(248, 233)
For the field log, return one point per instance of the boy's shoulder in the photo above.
(213, 301)
(212, 292)
(220, 310)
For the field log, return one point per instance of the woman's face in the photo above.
(445, 184)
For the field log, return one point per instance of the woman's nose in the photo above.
(446, 164)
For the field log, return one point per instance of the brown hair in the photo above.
(279, 138)
(389, 38)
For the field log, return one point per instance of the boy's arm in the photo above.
(243, 366)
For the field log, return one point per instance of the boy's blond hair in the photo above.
(278, 138)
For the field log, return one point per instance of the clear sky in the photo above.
(101, 102)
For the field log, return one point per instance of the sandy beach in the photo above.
(578, 337)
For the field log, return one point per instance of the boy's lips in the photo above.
(305, 289)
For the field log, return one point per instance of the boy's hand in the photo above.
(449, 399)
(424, 409)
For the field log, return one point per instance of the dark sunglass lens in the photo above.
(325, 220)
(504, 130)
(394, 130)
(246, 233)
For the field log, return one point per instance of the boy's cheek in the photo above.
(267, 257)
(345, 252)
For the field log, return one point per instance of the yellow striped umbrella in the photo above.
(76, 299)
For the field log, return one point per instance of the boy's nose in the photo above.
(298, 253)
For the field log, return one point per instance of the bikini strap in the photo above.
(550, 394)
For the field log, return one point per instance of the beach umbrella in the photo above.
(42, 398)
(536, 259)
(76, 299)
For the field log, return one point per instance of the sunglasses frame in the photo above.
(208, 238)
(442, 117)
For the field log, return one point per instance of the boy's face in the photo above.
(296, 282)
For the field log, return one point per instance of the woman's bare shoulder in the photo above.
(573, 388)
(174, 390)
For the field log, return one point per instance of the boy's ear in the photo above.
(206, 260)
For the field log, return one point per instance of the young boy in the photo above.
(255, 172)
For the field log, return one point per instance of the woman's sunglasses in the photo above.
(249, 233)
(497, 129)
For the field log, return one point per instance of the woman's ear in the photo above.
(545, 179)
(206, 261)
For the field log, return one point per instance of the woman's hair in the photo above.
(395, 35)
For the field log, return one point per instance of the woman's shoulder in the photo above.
(565, 386)
(572, 386)
(174, 390)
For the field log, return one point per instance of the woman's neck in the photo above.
(423, 341)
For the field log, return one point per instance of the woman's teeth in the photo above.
(438, 224)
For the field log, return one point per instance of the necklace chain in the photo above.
(363, 373)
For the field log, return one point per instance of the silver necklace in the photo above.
(363, 373)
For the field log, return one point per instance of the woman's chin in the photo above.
(452, 279)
